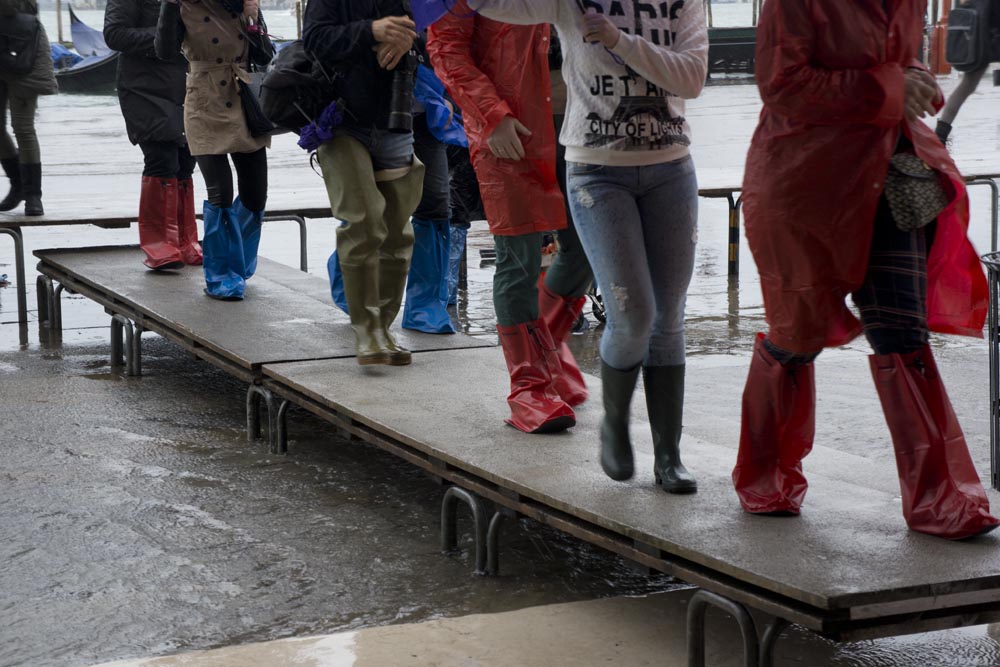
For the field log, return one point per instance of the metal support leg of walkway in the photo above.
(756, 652)
(277, 411)
(130, 348)
(22, 291)
(449, 524)
(303, 254)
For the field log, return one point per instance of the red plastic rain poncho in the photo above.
(831, 78)
(493, 70)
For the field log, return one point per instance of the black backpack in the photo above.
(968, 46)
(297, 88)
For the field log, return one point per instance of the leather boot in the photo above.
(778, 425)
(12, 167)
(942, 494)
(942, 130)
(356, 200)
(187, 227)
(665, 405)
(249, 222)
(534, 406)
(617, 459)
(426, 307)
(361, 288)
(457, 239)
(560, 314)
(158, 223)
(402, 195)
(31, 184)
(222, 240)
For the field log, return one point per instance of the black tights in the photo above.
(251, 175)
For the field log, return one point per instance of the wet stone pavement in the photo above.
(136, 520)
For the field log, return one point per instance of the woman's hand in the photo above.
(919, 93)
(505, 142)
(251, 9)
(599, 28)
(388, 55)
(394, 36)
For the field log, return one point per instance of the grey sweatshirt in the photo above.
(626, 105)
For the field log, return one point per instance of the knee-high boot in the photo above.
(942, 494)
(249, 222)
(187, 227)
(357, 202)
(158, 223)
(456, 250)
(31, 185)
(665, 405)
(559, 314)
(221, 243)
(426, 306)
(778, 425)
(534, 406)
(617, 459)
(402, 195)
(12, 167)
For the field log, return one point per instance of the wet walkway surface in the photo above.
(136, 521)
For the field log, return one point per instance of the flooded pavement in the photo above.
(136, 521)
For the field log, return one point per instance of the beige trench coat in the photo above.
(217, 49)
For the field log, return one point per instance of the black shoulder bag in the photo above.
(18, 43)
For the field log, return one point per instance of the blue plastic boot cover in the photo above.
(245, 263)
(458, 235)
(426, 307)
(336, 282)
(222, 240)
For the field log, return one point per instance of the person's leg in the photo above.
(356, 201)
(604, 204)
(530, 353)
(248, 208)
(22, 120)
(965, 88)
(158, 206)
(8, 158)
(941, 491)
(426, 306)
(668, 208)
(466, 206)
(187, 227)
(222, 238)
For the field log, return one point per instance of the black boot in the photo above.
(11, 167)
(616, 448)
(665, 404)
(31, 183)
(942, 130)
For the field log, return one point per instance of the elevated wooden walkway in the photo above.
(846, 569)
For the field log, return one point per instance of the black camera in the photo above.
(401, 103)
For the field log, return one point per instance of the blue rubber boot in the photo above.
(336, 282)
(245, 262)
(426, 307)
(222, 240)
(457, 247)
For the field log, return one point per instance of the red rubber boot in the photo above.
(559, 314)
(778, 424)
(534, 405)
(187, 228)
(942, 494)
(158, 223)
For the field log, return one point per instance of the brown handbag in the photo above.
(914, 192)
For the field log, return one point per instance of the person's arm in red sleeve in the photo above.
(450, 46)
(791, 85)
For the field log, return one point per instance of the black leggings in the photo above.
(167, 159)
(251, 175)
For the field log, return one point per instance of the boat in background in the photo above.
(96, 73)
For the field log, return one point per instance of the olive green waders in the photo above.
(375, 244)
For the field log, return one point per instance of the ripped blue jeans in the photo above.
(639, 227)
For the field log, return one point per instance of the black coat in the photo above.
(151, 91)
(339, 33)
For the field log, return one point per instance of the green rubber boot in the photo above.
(402, 196)
(356, 200)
